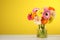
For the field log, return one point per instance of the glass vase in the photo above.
(41, 32)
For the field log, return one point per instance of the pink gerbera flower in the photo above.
(35, 9)
(46, 14)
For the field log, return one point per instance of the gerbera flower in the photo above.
(33, 15)
(46, 14)
(52, 12)
(29, 16)
(44, 21)
(35, 9)
(37, 20)
(51, 8)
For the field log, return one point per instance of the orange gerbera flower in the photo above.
(33, 15)
(44, 21)
(51, 8)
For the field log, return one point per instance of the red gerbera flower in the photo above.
(29, 16)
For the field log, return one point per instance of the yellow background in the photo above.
(13, 16)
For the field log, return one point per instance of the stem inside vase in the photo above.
(42, 32)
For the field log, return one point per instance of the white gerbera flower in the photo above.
(37, 20)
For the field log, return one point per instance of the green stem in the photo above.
(39, 26)
(42, 27)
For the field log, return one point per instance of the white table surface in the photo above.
(28, 37)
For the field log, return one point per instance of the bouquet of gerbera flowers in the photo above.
(47, 16)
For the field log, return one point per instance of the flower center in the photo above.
(46, 14)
